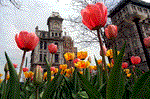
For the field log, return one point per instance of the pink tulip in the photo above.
(25, 69)
(104, 50)
(111, 31)
(26, 41)
(15, 65)
(52, 48)
(76, 60)
(124, 65)
(94, 16)
(53, 69)
(135, 60)
(147, 42)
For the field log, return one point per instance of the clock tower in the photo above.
(54, 23)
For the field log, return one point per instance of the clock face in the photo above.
(56, 24)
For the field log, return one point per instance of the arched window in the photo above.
(52, 34)
(41, 44)
(45, 45)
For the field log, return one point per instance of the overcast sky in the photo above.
(32, 13)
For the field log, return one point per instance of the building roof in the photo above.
(123, 3)
(54, 16)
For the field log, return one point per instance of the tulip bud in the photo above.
(76, 60)
(38, 75)
(104, 51)
(124, 65)
(111, 31)
(52, 68)
(25, 69)
(89, 59)
(52, 48)
(15, 65)
(135, 60)
(147, 42)
(6, 67)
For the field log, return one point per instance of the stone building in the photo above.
(53, 35)
(132, 18)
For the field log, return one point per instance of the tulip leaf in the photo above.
(87, 74)
(99, 74)
(52, 86)
(141, 88)
(90, 90)
(115, 85)
(48, 70)
(14, 91)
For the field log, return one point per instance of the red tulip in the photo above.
(15, 65)
(25, 69)
(111, 31)
(135, 59)
(52, 48)
(124, 65)
(112, 61)
(53, 69)
(94, 16)
(26, 41)
(147, 42)
(76, 60)
(104, 50)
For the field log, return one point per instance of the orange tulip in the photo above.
(135, 60)
(111, 31)
(26, 41)
(52, 48)
(94, 16)
(147, 42)
(82, 55)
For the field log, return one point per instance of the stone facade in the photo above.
(132, 18)
(53, 35)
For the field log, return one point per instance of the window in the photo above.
(40, 58)
(55, 34)
(41, 44)
(59, 34)
(45, 56)
(56, 44)
(45, 45)
(43, 35)
(52, 34)
(56, 58)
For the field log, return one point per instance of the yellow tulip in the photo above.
(127, 71)
(67, 75)
(30, 74)
(129, 74)
(83, 64)
(109, 53)
(26, 74)
(91, 67)
(52, 77)
(7, 76)
(1, 75)
(1, 80)
(82, 55)
(45, 75)
(63, 66)
(110, 65)
(99, 61)
(69, 56)
(56, 70)
(81, 72)
(95, 68)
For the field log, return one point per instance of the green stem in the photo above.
(37, 92)
(21, 67)
(103, 57)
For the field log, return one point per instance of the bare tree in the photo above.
(13, 2)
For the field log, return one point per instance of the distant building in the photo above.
(133, 20)
(53, 35)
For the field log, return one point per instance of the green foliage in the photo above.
(115, 84)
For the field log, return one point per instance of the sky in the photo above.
(31, 14)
